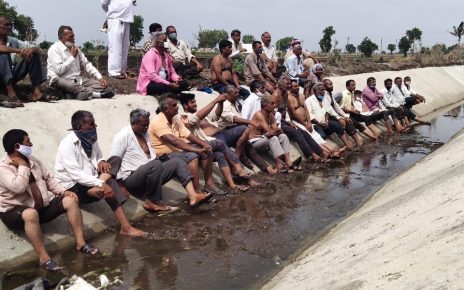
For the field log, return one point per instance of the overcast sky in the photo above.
(356, 19)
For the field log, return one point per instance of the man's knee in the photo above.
(69, 202)
(30, 215)
(283, 138)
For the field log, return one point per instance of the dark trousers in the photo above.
(410, 101)
(371, 119)
(396, 113)
(154, 89)
(230, 137)
(148, 179)
(303, 139)
(187, 71)
(334, 127)
(219, 87)
(349, 128)
(221, 151)
(33, 67)
(119, 197)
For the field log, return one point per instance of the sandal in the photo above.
(239, 188)
(207, 197)
(51, 265)
(296, 164)
(89, 249)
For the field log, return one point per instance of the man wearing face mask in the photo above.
(64, 63)
(255, 66)
(157, 74)
(25, 202)
(253, 103)
(81, 168)
(185, 62)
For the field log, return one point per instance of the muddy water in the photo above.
(242, 239)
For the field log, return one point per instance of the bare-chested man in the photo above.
(308, 146)
(222, 70)
(299, 114)
(266, 136)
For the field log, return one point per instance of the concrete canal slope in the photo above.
(410, 235)
(47, 124)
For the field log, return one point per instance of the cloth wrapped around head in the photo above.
(315, 67)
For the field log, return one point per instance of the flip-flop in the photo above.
(89, 249)
(208, 196)
(215, 190)
(158, 211)
(51, 265)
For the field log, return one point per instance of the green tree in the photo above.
(367, 47)
(350, 48)
(136, 30)
(458, 31)
(414, 35)
(391, 47)
(88, 46)
(404, 45)
(23, 26)
(326, 41)
(248, 38)
(45, 44)
(283, 43)
(210, 38)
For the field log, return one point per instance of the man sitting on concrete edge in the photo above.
(80, 167)
(142, 173)
(64, 63)
(25, 202)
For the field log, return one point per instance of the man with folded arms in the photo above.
(25, 202)
(141, 172)
(80, 167)
(64, 63)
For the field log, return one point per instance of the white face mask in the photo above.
(25, 150)
(166, 45)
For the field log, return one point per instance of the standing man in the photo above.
(65, 63)
(119, 17)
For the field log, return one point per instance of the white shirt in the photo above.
(294, 66)
(236, 48)
(358, 105)
(119, 9)
(126, 146)
(226, 119)
(333, 110)
(250, 106)
(73, 166)
(61, 64)
(388, 101)
(270, 52)
(315, 110)
(398, 95)
(406, 91)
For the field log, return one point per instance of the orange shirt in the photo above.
(160, 126)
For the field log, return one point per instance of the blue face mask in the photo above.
(87, 139)
(320, 98)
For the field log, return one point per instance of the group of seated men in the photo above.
(147, 154)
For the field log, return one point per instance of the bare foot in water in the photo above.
(131, 231)
(199, 198)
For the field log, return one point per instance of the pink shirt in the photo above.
(149, 70)
(14, 184)
(372, 98)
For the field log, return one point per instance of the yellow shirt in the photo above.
(159, 127)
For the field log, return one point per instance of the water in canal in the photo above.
(240, 241)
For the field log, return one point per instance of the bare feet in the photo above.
(157, 206)
(131, 231)
(253, 183)
(199, 198)
(271, 170)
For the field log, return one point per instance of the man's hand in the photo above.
(324, 124)
(74, 50)
(304, 74)
(173, 86)
(26, 53)
(204, 153)
(309, 127)
(221, 98)
(199, 67)
(104, 167)
(71, 195)
(342, 122)
(103, 82)
(107, 191)
(17, 161)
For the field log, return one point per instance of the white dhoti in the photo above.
(313, 134)
(118, 46)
